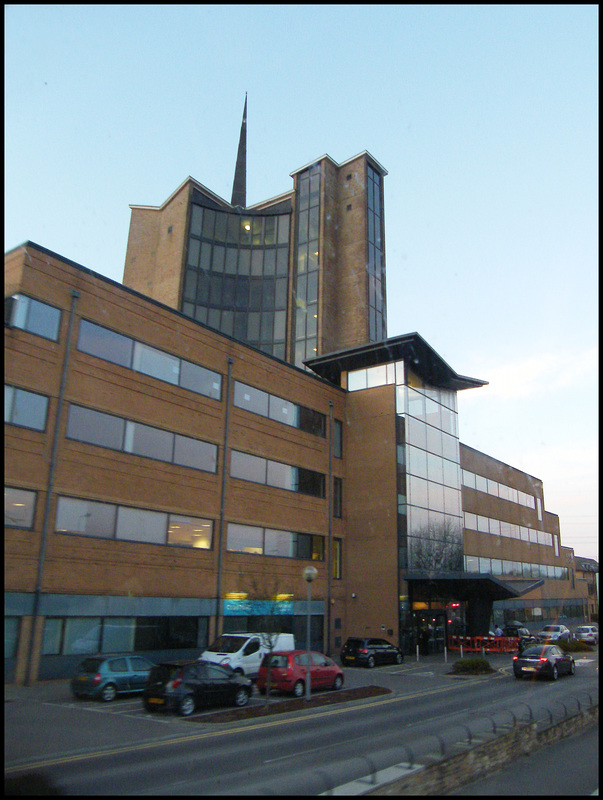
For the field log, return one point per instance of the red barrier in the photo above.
(490, 644)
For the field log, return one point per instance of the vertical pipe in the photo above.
(330, 529)
(308, 641)
(222, 499)
(49, 486)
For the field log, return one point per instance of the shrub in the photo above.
(574, 646)
(474, 665)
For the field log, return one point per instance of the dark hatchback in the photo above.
(548, 661)
(184, 686)
(370, 652)
(104, 677)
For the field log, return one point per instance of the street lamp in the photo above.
(308, 574)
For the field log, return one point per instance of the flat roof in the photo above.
(410, 347)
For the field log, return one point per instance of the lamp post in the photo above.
(308, 574)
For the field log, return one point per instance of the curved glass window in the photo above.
(233, 261)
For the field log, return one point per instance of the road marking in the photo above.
(69, 759)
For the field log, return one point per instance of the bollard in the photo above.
(417, 652)
(445, 655)
(461, 650)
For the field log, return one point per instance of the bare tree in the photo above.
(437, 547)
(266, 589)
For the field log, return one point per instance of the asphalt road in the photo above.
(91, 748)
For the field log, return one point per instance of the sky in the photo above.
(484, 116)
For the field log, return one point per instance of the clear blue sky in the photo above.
(486, 118)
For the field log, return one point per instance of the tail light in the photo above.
(515, 658)
(363, 650)
(97, 678)
(543, 659)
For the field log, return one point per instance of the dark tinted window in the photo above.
(91, 664)
(118, 665)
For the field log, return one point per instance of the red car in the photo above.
(289, 668)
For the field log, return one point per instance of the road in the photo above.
(93, 749)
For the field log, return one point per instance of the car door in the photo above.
(320, 671)
(375, 650)
(217, 684)
(139, 672)
(251, 657)
(118, 672)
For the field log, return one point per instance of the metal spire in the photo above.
(239, 186)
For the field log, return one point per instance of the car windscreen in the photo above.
(226, 644)
(583, 630)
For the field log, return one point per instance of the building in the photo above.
(587, 570)
(179, 447)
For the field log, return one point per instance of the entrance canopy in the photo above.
(426, 585)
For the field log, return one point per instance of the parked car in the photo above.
(289, 669)
(243, 652)
(554, 633)
(183, 686)
(370, 652)
(547, 660)
(104, 677)
(587, 633)
(519, 632)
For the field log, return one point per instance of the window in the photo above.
(190, 532)
(24, 408)
(106, 344)
(138, 525)
(337, 559)
(126, 352)
(337, 438)
(19, 508)
(107, 430)
(337, 498)
(280, 543)
(86, 517)
(95, 427)
(276, 474)
(36, 317)
(155, 363)
(279, 409)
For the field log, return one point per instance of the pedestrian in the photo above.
(498, 631)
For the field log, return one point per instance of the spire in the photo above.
(239, 186)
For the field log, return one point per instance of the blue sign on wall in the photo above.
(256, 608)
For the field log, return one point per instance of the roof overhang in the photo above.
(410, 347)
(466, 585)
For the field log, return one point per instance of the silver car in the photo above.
(554, 633)
(587, 633)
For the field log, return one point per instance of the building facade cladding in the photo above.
(298, 276)
(137, 512)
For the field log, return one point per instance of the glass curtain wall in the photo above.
(430, 528)
(376, 258)
(236, 275)
(305, 267)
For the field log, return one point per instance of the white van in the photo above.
(243, 652)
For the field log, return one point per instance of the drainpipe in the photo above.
(30, 680)
(330, 528)
(222, 499)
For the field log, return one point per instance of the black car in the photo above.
(370, 652)
(183, 686)
(547, 660)
(521, 633)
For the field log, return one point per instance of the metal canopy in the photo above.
(466, 586)
(411, 348)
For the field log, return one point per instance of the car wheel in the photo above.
(371, 662)
(186, 706)
(108, 693)
(239, 671)
(298, 689)
(338, 682)
(555, 673)
(573, 668)
(517, 675)
(241, 697)
(399, 658)
(262, 691)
